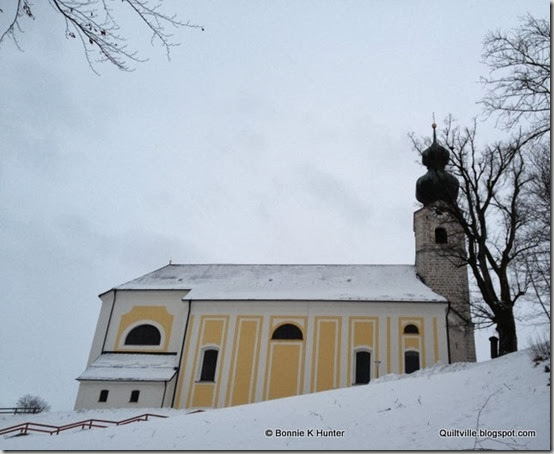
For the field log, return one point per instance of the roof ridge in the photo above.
(284, 264)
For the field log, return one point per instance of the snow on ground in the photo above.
(418, 411)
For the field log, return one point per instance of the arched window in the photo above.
(143, 335)
(411, 361)
(287, 331)
(363, 367)
(411, 329)
(441, 235)
(209, 365)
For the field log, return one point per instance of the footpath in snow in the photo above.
(502, 404)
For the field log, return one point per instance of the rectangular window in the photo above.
(103, 396)
(134, 396)
(363, 367)
(411, 361)
(441, 236)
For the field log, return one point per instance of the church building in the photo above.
(217, 335)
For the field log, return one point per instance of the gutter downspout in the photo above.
(181, 355)
(163, 397)
(109, 320)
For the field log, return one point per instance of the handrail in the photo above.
(26, 427)
(138, 418)
(16, 410)
(83, 424)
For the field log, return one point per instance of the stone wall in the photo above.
(441, 266)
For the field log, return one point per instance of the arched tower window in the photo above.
(287, 331)
(209, 364)
(411, 329)
(144, 335)
(363, 367)
(411, 361)
(441, 235)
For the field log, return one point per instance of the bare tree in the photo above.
(493, 215)
(518, 85)
(519, 96)
(535, 264)
(35, 404)
(94, 24)
(504, 205)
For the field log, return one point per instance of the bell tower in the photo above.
(440, 249)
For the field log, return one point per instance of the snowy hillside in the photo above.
(436, 408)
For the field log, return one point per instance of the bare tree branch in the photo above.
(518, 85)
(94, 23)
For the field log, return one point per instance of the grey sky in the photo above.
(278, 135)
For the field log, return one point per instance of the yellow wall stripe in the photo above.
(184, 361)
(326, 354)
(240, 389)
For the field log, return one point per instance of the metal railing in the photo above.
(26, 427)
(19, 410)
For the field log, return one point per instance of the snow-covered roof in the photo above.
(131, 366)
(289, 282)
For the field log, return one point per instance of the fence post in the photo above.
(494, 346)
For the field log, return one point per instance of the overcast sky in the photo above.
(277, 135)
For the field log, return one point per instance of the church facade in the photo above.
(211, 336)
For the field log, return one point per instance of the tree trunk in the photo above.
(506, 327)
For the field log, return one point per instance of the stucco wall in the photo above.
(332, 331)
(152, 394)
(163, 309)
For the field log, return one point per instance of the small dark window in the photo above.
(287, 331)
(441, 236)
(134, 396)
(411, 361)
(363, 367)
(411, 329)
(143, 335)
(209, 364)
(103, 396)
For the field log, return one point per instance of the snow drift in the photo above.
(499, 404)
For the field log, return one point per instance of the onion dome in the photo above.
(436, 184)
(436, 156)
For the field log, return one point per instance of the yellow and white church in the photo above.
(216, 335)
